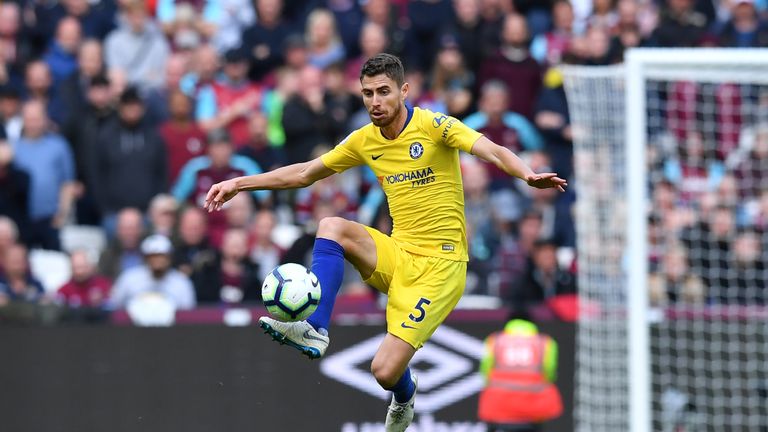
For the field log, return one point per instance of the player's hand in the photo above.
(546, 181)
(219, 194)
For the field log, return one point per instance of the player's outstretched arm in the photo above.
(288, 177)
(511, 164)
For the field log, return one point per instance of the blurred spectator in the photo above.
(694, 170)
(137, 47)
(323, 41)
(84, 131)
(205, 66)
(263, 41)
(680, 25)
(62, 54)
(329, 190)
(603, 15)
(231, 18)
(554, 208)
(295, 53)
(373, 40)
(9, 236)
(710, 246)
(593, 48)
(184, 25)
(504, 127)
(306, 118)
(745, 28)
(258, 147)
(238, 215)
(544, 279)
(158, 100)
(341, 102)
(16, 282)
(349, 20)
(451, 81)
(39, 87)
(513, 65)
(492, 13)
(549, 48)
(554, 121)
(231, 278)
(183, 138)
(468, 30)
(263, 251)
(426, 18)
(162, 215)
(86, 288)
(749, 269)
(234, 96)
(15, 45)
(74, 88)
(515, 246)
(218, 165)
(128, 147)
(382, 12)
(14, 189)
(10, 114)
(756, 214)
(674, 282)
(419, 93)
(749, 163)
(122, 252)
(154, 276)
(286, 86)
(96, 18)
(192, 250)
(51, 167)
(481, 233)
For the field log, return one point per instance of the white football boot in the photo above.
(400, 415)
(300, 335)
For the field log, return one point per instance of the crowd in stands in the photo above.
(119, 115)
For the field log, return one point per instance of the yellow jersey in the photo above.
(420, 174)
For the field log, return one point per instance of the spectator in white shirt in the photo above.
(155, 277)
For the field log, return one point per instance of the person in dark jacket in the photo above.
(307, 118)
(14, 189)
(129, 147)
(231, 278)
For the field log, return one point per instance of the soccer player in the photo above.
(422, 266)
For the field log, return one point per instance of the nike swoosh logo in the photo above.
(376, 157)
(308, 335)
(404, 325)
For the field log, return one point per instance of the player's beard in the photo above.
(386, 121)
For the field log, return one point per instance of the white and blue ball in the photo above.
(291, 292)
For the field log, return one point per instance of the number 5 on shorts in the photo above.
(420, 307)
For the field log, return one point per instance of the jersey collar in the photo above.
(409, 110)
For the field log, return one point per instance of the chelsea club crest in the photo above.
(416, 150)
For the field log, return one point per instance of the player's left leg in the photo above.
(422, 293)
(390, 368)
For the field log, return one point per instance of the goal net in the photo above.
(671, 157)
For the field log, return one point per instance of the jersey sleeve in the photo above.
(452, 132)
(346, 154)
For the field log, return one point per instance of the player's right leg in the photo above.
(337, 238)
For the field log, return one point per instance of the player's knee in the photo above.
(386, 375)
(333, 228)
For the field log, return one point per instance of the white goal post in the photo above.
(659, 348)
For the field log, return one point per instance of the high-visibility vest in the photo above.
(517, 389)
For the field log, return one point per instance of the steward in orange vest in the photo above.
(519, 366)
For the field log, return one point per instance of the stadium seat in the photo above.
(51, 268)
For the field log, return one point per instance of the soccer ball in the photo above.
(291, 292)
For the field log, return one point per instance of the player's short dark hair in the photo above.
(386, 64)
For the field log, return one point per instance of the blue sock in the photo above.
(328, 266)
(404, 388)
